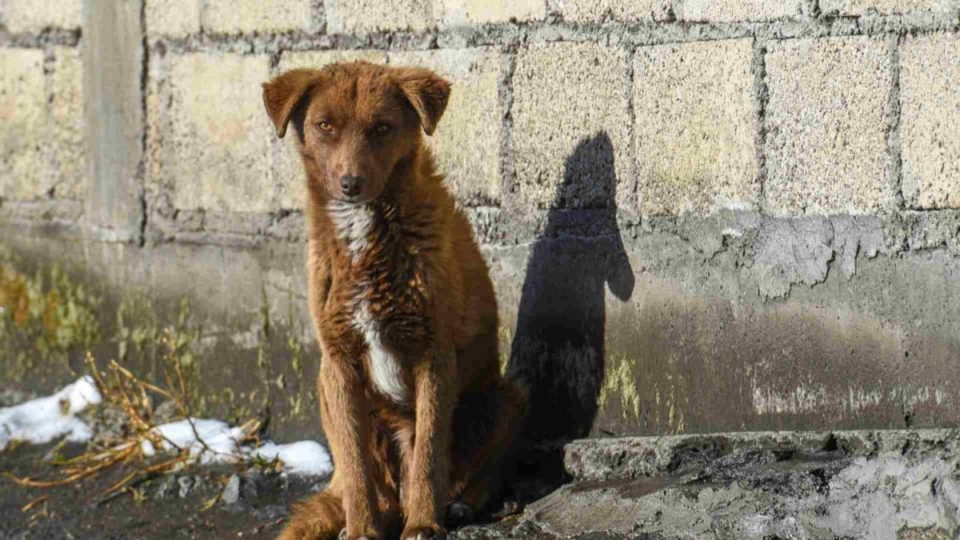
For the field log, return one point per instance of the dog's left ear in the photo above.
(282, 94)
(427, 93)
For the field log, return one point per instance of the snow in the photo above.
(219, 437)
(304, 457)
(209, 441)
(220, 445)
(44, 419)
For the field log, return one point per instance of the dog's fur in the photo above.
(417, 414)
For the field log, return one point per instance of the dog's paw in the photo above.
(423, 532)
(344, 536)
(459, 514)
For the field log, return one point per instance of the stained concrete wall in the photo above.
(700, 215)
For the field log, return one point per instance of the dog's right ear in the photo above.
(282, 94)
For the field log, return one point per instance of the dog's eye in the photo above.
(323, 125)
(382, 128)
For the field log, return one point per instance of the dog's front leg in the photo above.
(426, 491)
(348, 428)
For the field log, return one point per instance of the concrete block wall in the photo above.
(41, 108)
(748, 211)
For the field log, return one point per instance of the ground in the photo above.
(171, 505)
(857, 484)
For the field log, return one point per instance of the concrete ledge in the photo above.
(876, 485)
(638, 457)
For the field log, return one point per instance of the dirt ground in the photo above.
(857, 484)
(195, 503)
(168, 506)
(248, 500)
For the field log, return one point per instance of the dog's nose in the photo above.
(351, 185)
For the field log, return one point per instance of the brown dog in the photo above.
(416, 412)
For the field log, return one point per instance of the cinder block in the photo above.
(289, 171)
(930, 120)
(231, 17)
(66, 165)
(571, 125)
(34, 15)
(696, 128)
(349, 16)
(23, 117)
(883, 7)
(736, 10)
(175, 18)
(466, 12)
(620, 10)
(318, 59)
(826, 122)
(209, 137)
(41, 143)
(467, 140)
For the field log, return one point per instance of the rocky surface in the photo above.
(883, 484)
(856, 484)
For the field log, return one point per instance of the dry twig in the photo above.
(31, 504)
(121, 388)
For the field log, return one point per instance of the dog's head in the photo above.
(355, 122)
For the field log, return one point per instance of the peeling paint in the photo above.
(860, 398)
(913, 396)
(791, 252)
(620, 381)
(817, 399)
(504, 338)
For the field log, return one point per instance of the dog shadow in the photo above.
(558, 347)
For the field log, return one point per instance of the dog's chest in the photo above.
(354, 225)
(383, 366)
(379, 297)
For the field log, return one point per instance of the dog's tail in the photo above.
(320, 517)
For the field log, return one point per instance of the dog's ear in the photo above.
(282, 94)
(427, 93)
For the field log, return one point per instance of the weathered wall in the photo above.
(700, 215)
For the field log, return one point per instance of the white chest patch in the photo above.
(384, 368)
(353, 223)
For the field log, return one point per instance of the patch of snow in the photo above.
(220, 439)
(303, 457)
(221, 444)
(44, 419)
